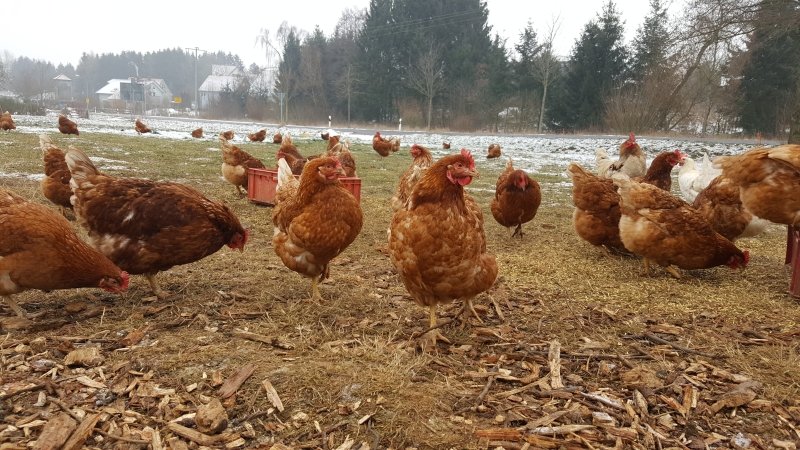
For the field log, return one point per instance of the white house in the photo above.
(221, 77)
(158, 93)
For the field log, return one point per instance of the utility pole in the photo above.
(196, 92)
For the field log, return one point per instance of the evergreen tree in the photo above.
(771, 78)
(651, 43)
(289, 70)
(526, 82)
(597, 66)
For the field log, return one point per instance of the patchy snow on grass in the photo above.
(545, 154)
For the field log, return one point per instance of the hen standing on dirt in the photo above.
(517, 198)
(145, 226)
(315, 218)
(437, 242)
(40, 250)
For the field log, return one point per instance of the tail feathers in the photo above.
(80, 166)
(45, 143)
(285, 176)
(509, 164)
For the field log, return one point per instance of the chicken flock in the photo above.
(137, 226)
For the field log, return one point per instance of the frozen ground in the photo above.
(536, 153)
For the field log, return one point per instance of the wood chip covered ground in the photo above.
(578, 351)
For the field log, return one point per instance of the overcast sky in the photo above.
(61, 32)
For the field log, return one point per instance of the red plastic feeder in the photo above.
(262, 183)
(793, 258)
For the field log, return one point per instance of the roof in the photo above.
(220, 70)
(215, 83)
(62, 77)
(112, 87)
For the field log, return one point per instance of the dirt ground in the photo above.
(577, 349)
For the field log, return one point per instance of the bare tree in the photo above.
(426, 77)
(545, 66)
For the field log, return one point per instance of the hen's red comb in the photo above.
(467, 154)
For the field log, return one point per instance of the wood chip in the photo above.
(235, 381)
(554, 360)
(86, 356)
(273, 341)
(740, 395)
(86, 381)
(79, 436)
(55, 433)
(193, 435)
(562, 429)
(211, 418)
(499, 434)
(272, 395)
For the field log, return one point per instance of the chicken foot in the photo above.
(151, 278)
(673, 271)
(15, 307)
(433, 335)
(518, 231)
(646, 268)
(240, 192)
(469, 307)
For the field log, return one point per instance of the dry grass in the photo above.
(356, 347)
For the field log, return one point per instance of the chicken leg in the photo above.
(240, 192)
(517, 231)
(315, 294)
(151, 278)
(433, 334)
(15, 307)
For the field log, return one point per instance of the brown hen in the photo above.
(67, 126)
(146, 226)
(40, 250)
(55, 184)
(235, 163)
(517, 198)
(437, 244)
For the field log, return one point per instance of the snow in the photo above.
(547, 154)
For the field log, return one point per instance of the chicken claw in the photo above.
(429, 339)
(673, 271)
(316, 296)
(16, 308)
(469, 307)
(162, 295)
(518, 231)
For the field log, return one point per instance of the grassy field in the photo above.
(348, 368)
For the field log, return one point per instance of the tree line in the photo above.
(716, 67)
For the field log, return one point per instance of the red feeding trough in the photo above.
(262, 183)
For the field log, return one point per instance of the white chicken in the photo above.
(603, 163)
(693, 179)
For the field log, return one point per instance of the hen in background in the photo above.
(383, 146)
(277, 138)
(422, 160)
(227, 135)
(602, 162)
(664, 229)
(315, 218)
(141, 127)
(768, 180)
(67, 126)
(40, 250)
(55, 184)
(197, 132)
(632, 160)
(235, 163)
(720, 205)
(446, 145)
(516, 199)
(258, 136)
(437, 243)
(494, 151)
(693, 179)
(341, 151)
(7, 122)
(146, 226)
(597, 213)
